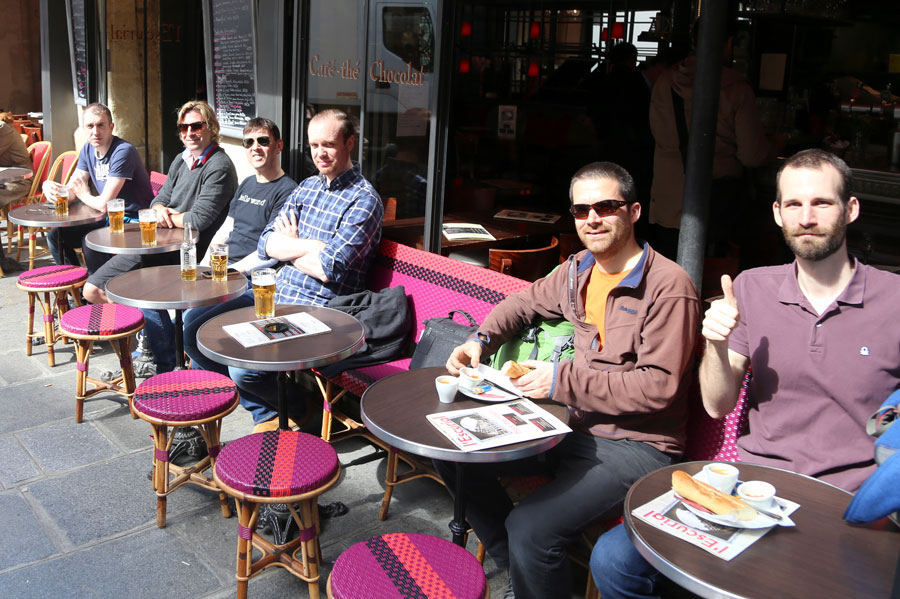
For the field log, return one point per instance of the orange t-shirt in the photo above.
(595, 293)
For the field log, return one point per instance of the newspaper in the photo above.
(466, 231)
(497, 424)
(532, 217)
(273, 330)
(668, 514)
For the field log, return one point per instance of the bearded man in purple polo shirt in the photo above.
(823, 337)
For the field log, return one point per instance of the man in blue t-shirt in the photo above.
(114, 168)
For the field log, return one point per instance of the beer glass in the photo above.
(147, 219)
(218, 260)
(264, 292)
(62, 200)
(115, 210)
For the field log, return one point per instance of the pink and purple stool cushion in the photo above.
(404, 565)
(185, 395)
(277, 463)
(101, 319)
(53, 276)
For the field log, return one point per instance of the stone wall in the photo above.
(20, 56)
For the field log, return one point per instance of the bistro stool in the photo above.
(184, 398)
(280, 466)
(102, 322)
(401, 565)
(40, 283)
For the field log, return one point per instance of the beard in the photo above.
(610, 245)
(816, 248)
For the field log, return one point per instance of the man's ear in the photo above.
(776, 212)
(852, 209)
(634, 210)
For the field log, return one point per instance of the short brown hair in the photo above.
(607, 170)
(816, 159)
(259, 122)
(348, 126)
(206, 111)
(98, 108)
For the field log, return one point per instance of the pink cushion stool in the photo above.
(279, 466)
(40, 283)
(184, 398)
(405, 565)
(102, 322)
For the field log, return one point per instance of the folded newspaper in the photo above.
(668, 514)
(466, 231)
(278, 328)
(497, 424)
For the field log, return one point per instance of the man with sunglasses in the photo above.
(635, 314)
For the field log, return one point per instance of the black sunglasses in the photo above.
(195, 126)
(602, 208)
(263, 140)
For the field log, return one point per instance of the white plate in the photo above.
(493, 395)
(760, 521)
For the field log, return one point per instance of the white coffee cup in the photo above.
(757, 493)
(446, 387)
(469, 377)
(721, 476)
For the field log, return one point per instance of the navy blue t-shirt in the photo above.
(253, 207)
(121, 161)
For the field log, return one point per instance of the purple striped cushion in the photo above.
(53, 276)
(404, 565)
(183, 395)
(101, 319)
(277, 463)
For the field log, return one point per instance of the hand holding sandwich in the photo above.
(533, 378)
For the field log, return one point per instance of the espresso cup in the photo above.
(446, 387)
(757, 493)
(721, 476)
(469, 377)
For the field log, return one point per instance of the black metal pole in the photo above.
(458, 525)
(701, 145)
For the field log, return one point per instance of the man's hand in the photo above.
(164, 216)
(723, 314)
(537, 383)
(79, 187)
(286, 224)
(467, 354)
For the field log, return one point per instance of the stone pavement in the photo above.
(79, 511)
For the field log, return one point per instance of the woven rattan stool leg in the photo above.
(160, 470)
(49, 335)
(62, 306)
(122, 347)
(248, 513)
(210, 432)
(390, 477)
(82, 357)
(309, 520)
(30, 331)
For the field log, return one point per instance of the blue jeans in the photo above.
(591, 476)
(160, 334)
(619, 570)
(196, 317)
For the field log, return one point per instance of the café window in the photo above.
(409, 33)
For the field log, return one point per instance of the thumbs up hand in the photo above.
(723, 314)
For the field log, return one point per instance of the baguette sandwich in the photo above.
(711, 498)
(513, 369)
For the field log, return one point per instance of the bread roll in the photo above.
(711, 498)
(513, 369)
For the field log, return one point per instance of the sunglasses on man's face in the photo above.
(602, 208)
(195, 126)
(263, 140)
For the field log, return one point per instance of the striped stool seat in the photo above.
(184, 398)
(406, 565)
(281, 466)
(50, 286)
(102, 322)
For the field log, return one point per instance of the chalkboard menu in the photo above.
(232, 47)
(78, 45)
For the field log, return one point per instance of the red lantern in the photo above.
(533, 69)
(466, 29)
(464, 65)
(618, 31)
(534, 31)
(603, 35)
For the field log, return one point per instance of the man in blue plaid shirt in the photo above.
(326, 235)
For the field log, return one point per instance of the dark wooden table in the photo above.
(822, 557)
(43, 215)
(161, 288)
(345, 338)
(129, 241)
(394, 410)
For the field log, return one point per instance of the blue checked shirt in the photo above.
(346, 216)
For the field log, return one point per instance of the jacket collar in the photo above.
(636, 275)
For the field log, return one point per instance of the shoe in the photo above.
(508, 594)
(272, 425)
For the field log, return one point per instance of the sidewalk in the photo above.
(79, 511)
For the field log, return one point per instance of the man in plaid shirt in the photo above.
(326, 235)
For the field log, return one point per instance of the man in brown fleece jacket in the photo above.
(635, 315)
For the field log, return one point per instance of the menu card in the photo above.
(466, 231)
(531, 217)
(497, 424)
(273, 330)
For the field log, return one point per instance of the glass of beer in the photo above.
(61, 200)
(218, 260)
(264, 292)
(147, 219)
(115, 210)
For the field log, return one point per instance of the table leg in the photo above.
(458, 526)
(179, 341)
(282, 400)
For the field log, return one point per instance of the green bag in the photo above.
(546, 340)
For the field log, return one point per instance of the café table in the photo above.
(822, 557)
(9, 173)
(129, 241)
(394, 410)
(342, 341)
(43, 216)
(161, 288)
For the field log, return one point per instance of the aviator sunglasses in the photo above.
(602, 208)
(262, 140)
(195, 126)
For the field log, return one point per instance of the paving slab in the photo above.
(30, 404)
(61, 446)
(22, 537)
(16, 464)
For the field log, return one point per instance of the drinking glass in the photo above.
(218, 260)
(147, 219)
(115, 210)
(264, 292)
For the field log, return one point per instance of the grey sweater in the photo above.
(202, 194)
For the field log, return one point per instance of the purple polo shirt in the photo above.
(817, 378)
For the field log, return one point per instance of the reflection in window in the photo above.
(409, 33)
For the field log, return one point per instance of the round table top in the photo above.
(44, 215)
(822, 557)
(161, 288)
(345, 338)
(8, 173)
(129, 241)
(395, 407)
